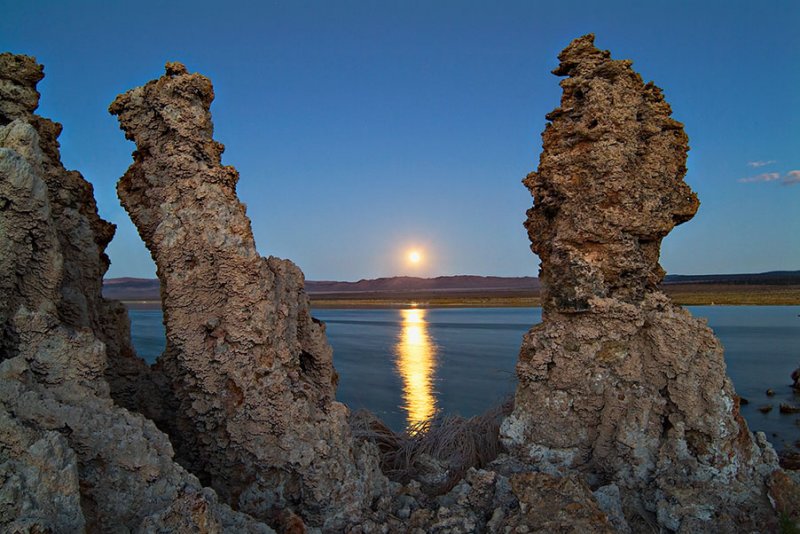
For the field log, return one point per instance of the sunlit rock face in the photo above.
(618, 382)
(250, 371)
(71, 459)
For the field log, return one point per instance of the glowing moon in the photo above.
(414, 256)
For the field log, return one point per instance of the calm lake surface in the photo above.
(407, 365)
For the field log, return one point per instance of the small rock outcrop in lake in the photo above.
(250, 370)
(617, 382)
(71, 460)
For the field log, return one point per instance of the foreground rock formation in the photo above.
(624, 419)
(618, 383)
(70, 458)
(71, 282)
(251, 373)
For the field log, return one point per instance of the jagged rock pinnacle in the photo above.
(609, 185)
(72, 459)
(251, 373)
(632, 391)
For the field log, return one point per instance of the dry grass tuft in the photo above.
(437, 452)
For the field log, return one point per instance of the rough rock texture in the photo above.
(499, 500)
(39, 474)
(74, 227)
(617, 382)
(74, 459)
(71, 460)
(609, 185)
(558, 504)
(784, 492)
(251, 372)
(624, 418)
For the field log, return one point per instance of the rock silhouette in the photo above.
(617, 382)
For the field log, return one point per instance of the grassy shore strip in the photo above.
(142, 304)
(683, 294)
(437, 302)
(733, 294)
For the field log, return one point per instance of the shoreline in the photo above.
(681, 294)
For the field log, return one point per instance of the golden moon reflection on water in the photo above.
(416, 363)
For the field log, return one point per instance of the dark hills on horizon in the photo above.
(148, 288)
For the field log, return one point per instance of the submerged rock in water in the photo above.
(790, 460)
(250, 371)
(71, 459)
(785, 407)
(617, 382)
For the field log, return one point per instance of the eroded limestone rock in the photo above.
(39, 474)
(251, 371)
(71, 460)
(72, 282)
(609, 185)
(617, 382)
(116, 465)
(496, 500)
(557, 504)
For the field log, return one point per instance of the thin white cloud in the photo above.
(756, 164)
(791, 178)
(765, 177)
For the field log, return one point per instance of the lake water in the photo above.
(408, 365)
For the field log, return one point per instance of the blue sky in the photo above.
(361, 129)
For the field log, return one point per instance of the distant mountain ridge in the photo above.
(148, 288)
(768, 278)
(440, 283)
(128, 288)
